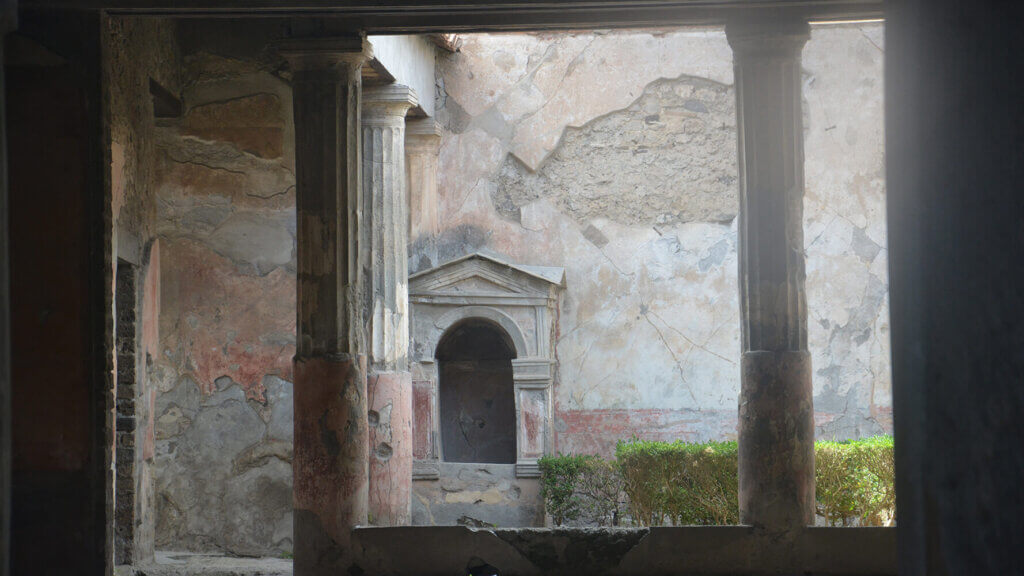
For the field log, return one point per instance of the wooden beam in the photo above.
(430, 16)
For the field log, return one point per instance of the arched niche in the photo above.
(522, 301)
(476, 393)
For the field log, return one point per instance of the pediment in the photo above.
(483, 275)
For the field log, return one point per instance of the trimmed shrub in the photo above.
(683, 484)
(680, 483)
(558, 478)
(581, 490)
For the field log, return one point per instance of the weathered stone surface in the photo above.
(261, 178)
(776, 440)
(253, 123)
(213, 564)
(844, 224)
(710, 550)
(226, 215)
(225, 443)
(256, 240)
(669, 157)
(331, 460)
(669, 289)
(489, 494)
(282, 412)
(390, 418)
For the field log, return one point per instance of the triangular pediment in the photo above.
(479, 274)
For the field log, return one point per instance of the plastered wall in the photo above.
(613, 154)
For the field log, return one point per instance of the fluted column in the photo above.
(776, 416)
(389, 384)
(422, 143)
(331, 435)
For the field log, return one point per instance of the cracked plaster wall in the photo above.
(226, 225)
(226, 221)
(613, 154)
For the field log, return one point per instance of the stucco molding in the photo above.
(507, 323)
(521, 301)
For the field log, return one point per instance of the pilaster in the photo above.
(422, 144)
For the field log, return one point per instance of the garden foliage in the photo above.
(679, 483)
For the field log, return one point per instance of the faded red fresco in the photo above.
(422, 419)
(531, 425)
(597, 431)
(216, 321)
(330, 461)
(151, 304)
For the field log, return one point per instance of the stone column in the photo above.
(386, 293)
(776, 416)
(422, 143)
(331, 435)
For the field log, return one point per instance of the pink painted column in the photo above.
(386, 295)
(776, 415)
(391, 444)
(331, 433)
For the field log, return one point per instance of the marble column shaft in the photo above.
(776, 416)
(386, 293)
(331, 434)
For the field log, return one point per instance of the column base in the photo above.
(776, 440)
(390, 418)
(329, 464)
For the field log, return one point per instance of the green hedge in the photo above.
(581, 489)
(680, 483)
(684, 484)
(854, 480)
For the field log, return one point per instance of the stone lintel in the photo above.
(305, 54)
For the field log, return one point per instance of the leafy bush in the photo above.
(680, 483)
(558, 478)
(581, 490)
(855, 481)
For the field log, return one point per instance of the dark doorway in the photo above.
(478, 411)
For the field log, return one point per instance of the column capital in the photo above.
(388, 102)
(767, 37)
(310, 54)
(426, 129)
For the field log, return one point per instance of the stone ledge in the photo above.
(697, 550)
